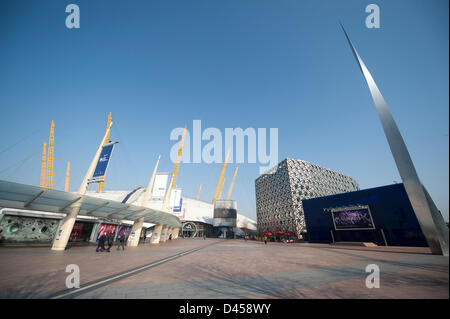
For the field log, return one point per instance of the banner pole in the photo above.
(62, 237)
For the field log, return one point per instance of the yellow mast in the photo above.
(50, 157)
(66, 188)
(108, 139)
(101, 185)
(199, 190)
(219, 182)
(221, 188)
(44, 167)
(176, 166)
(232, 184)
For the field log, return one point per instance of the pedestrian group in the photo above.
(109, 237)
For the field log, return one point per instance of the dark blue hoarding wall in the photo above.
(390, 209)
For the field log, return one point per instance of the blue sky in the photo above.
(158, 65)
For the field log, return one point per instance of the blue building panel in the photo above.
(391, 212)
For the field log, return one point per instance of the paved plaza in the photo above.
(224, 269)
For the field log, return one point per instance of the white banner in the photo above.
(160, 185)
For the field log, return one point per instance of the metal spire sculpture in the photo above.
(430, 219)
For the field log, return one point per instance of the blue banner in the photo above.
(103, 160)
(177, 209)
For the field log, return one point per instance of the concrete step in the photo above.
(355, 243)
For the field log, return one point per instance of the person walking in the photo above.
(110, 242)
(121, 242)
(101, 243)
(265, 240)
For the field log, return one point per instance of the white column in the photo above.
(62, 237)
(133, 241)
(156, 236)
(175, 235)
(164, 234)
(148, 191)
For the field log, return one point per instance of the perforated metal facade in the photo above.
(280, 191)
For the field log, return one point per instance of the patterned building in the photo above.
(280, 191)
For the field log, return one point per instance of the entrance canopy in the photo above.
(20, 196)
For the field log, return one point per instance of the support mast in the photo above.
(101, 185)
(50, 157)
(148, 191)
(232, 184)
(43, 183)
(63, 235)
(66, 187)
(199, 190)
(219, 182)
(176, 166)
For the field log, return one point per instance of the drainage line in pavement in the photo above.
(68, 293)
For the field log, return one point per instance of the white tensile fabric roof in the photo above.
(20, 196)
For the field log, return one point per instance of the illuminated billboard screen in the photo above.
(359, 218)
